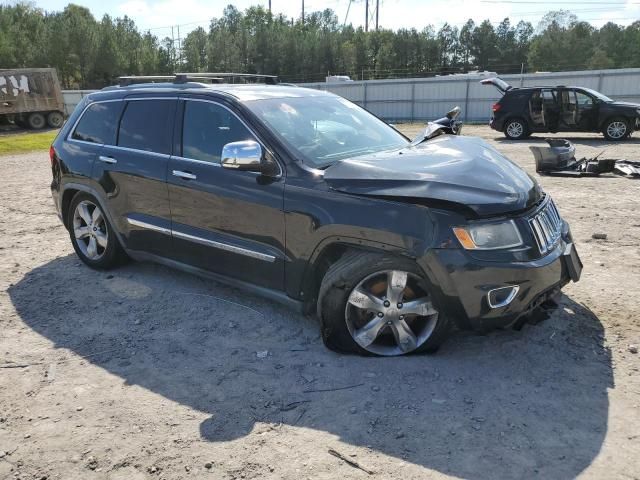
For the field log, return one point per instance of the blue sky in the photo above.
(158, 15)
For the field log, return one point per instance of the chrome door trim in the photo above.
(203, 241)
(193, 160)
(148, 226)
(225, 246)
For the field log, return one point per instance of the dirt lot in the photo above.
(145, 372)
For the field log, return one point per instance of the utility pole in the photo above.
(269, 6)
(366, 16)
(302, 12)
(370, 14)
(179, 47)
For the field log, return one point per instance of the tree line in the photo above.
(90, 53)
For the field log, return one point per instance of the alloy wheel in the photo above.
(515, 129)
(90, 230)
(617, 129)
(389, 313)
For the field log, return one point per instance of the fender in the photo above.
(309, 286)
(99, 198)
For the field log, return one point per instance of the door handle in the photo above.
(105, 159)
(184, 175)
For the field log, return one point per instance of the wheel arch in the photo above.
(612, 116)
(70, 190)
(329, 251)
(516, 116)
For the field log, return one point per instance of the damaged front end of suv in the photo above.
(499, 248)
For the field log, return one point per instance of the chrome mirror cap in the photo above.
(245, 155)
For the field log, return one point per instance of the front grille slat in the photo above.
(546, 226)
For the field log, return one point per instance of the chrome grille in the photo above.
(546, 226)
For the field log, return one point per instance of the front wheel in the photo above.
(616, 129)
(92, 236)
(379, 305)
(516, 129)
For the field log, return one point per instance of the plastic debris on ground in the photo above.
(558, 159)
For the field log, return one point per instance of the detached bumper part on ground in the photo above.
(558, 159)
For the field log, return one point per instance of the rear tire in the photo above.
(616, 129)
(358, 271)
(92, 236)
(55, 119)
(516, 129)
(36, 121)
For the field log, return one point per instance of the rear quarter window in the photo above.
(147, 125)
(98, 123)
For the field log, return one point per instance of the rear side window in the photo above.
(207, 128)
(98, 123)
(146, 125)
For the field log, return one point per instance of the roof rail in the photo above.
(185, 77)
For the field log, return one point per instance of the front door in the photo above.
(133, 172)
(587, 111)
(226, 221)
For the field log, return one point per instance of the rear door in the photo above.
(551, 109)
(133, 172)
(568, 109)
(96, 126)
(227, 221)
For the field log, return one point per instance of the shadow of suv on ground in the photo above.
(506, 405)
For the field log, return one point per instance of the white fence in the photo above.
(428, 98)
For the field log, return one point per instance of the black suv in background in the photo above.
(305, 197)
(523, 111)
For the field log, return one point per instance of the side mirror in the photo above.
(245, 155)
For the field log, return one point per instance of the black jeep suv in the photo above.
(523, 111)
(307, 198)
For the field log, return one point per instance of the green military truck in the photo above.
(31, 97)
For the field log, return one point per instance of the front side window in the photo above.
(207, 128)
(325, 129)
(98, 123)
(146, 125)
(584, 100)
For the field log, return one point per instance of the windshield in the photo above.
(325, 129)
(598, 95)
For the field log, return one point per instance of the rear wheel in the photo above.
(36, 121)
(55, 119)
(92, 236)
(616, 129)
(379, 305)
(516, 129)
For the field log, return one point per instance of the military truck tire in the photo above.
(55, 119)
(36, 121)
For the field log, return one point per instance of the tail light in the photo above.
(496, 107)
(52, 155)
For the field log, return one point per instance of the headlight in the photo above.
(489, 236)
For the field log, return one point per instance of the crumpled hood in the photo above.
(452, 169)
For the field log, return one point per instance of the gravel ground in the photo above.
(144, 372)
